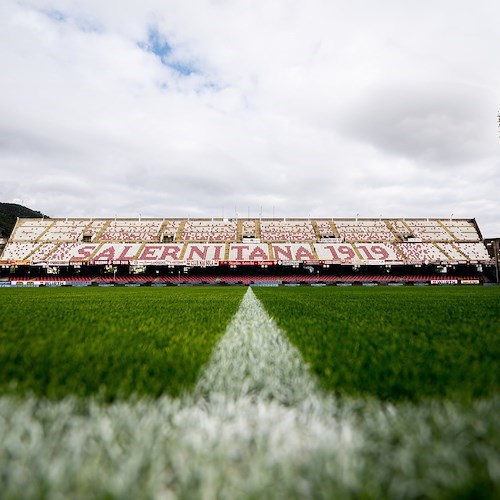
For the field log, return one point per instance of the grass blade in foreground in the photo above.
(248, 448)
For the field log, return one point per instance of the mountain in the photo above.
(9, 212)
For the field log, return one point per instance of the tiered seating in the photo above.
(72, 251)
(132, 230)
(249, 230)
(422, 252)
(287, 230)
(42, 251)
(65, 230)
(116, 252)
(401, 228)
(248, 252)
(95, 227)
(452, 251)
(293, 251)
(201, 252)
(170, 228)
(378, 251)
(336, 252)
(474, 251)
(364, 230)
(30, 229)
(325, 229)
(428, 230)
(179, 241)
(210, 230)
(462, 230)
(18, 251)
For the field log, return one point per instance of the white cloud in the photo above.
(324, 108)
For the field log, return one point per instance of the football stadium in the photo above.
(246, 251)
(163, 337)
(237, 358)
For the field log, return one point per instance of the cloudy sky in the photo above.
(220, 107)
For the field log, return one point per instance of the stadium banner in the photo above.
(36, 283)
(470, 282)
(444, 282)
(202, 263)
(172, 263)
(149, 263)
(324, 239)
(157, 263)
(5, 284)
(247, 262)
(331, 262)
(381, 262)
(24, 283)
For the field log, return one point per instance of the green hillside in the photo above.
(9, 212)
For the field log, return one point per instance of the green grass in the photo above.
(433, 351)
(112, 342)
(395, 343)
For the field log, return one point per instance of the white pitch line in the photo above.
(254, 358)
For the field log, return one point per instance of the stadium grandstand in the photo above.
(46, 251)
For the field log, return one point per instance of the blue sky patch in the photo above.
(82, 24)
(183, 69)
(55, 15)
(158, 45)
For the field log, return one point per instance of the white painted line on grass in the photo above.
(255, 358)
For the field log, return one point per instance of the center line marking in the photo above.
(255, 358)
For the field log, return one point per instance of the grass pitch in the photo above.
(113, 342)
(258, 423)
(395, 344)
